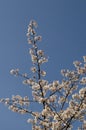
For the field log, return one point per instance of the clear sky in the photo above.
(62, 24)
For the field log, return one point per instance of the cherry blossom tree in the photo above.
(61, 103)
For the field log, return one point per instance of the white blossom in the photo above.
(77, 63)
(84, 57)
(43, 73)
(40, 52)
(33, 69)
(82, 92)
(83, 80)
(14, 72)
(38, 38)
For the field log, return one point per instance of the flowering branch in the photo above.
(61, 103)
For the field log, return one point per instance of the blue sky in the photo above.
(62, 24)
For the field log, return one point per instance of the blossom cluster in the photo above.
(61, 103)
(16, 103)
